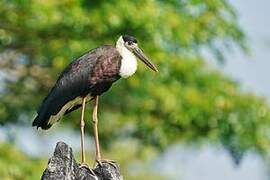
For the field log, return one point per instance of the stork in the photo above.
(85, 79)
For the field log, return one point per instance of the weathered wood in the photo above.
(63, 166)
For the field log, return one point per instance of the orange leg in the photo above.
(82, 124)
(95, 123)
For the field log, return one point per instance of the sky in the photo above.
(252, 72)
(209, 162)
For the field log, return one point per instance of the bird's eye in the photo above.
(129, 43)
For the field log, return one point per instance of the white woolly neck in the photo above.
(128, 62)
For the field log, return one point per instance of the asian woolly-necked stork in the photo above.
(85, 79)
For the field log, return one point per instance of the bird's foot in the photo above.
(84, 165)
(101, 161)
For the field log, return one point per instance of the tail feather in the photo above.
(43, 115)
(49, 109)
(41, 122)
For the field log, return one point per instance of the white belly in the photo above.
(66, 107)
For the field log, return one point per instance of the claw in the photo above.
(111, 162)
(84, 165)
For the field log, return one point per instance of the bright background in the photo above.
(213, 128)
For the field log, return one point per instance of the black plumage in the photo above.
(85, 79)
(90, 75)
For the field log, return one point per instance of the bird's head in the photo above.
(131, 44)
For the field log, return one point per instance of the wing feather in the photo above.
(77, 80)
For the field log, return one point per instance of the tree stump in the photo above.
(63, 166)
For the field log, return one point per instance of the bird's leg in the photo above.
(95, 124)
(82, 124)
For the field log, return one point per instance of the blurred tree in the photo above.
(14, 165)
(186, 101)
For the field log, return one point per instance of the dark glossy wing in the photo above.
(78, 80)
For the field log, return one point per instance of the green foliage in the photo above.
(186, 101)
(14, 165)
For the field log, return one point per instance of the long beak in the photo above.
(138, 52)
